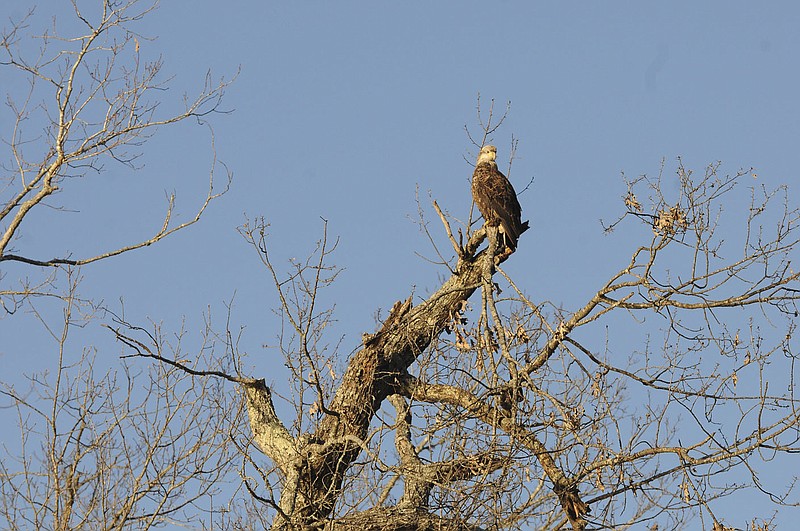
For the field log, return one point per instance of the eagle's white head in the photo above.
(487, 154)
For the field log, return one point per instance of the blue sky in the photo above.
(342, 110)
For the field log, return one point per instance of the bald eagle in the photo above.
(496, 199)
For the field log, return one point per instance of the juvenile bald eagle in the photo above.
(496, 198)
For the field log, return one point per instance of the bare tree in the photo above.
(474, 407)
(100, 447)
(103, 109)
(112, 449)
(518, 412)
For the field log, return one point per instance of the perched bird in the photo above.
(496, 199)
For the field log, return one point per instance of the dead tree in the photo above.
(517, 412)
(97, 448)
(505, 411)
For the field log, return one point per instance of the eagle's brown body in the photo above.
(496, 198)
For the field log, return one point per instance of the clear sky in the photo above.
(342, 110)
